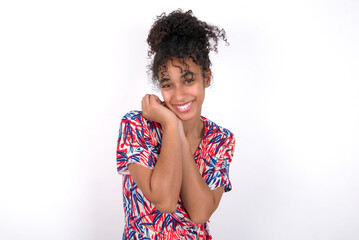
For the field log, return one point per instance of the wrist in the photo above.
(170, 123)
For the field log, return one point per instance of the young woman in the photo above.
(174, 161)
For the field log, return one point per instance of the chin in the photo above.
(187, 116)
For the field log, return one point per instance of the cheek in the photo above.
(199, 92)
(165, 96)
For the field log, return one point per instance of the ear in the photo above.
(207, 79)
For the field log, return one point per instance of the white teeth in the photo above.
(184, 107)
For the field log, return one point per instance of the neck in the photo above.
(193, 128)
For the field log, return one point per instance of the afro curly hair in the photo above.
(181, 35)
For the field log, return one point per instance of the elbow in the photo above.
(200, 215)
(166, 207)
(199, 219)
(165, 203)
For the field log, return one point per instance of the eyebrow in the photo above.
(164, 80)
(187, 73)
(184, 75)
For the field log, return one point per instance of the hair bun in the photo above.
(181, 35)
(177, 25)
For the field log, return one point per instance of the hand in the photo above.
(153, 109)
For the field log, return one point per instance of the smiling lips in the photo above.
(184, 107)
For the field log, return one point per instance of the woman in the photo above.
(174, 161)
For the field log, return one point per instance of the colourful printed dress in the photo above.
(140, 142)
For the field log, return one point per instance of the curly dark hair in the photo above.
(181, 35)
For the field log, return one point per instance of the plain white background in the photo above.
(287, 86)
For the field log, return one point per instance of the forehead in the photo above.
(176, 67)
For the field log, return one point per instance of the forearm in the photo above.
(198, 199)
(166, 178)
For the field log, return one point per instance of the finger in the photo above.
(146, 98)
(154, 99)
(158, 99)
(145, 101)
(142, 104)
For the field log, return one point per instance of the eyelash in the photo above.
(189, 80)
(165, 85)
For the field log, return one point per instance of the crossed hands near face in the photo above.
(155, 110)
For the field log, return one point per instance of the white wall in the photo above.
(287, 86)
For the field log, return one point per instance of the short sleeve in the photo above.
(218, 175)
(133, 144)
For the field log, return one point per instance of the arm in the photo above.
(162, 184)
(199, 201)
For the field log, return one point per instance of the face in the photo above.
(183, 89)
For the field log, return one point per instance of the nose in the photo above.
(179, 94)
